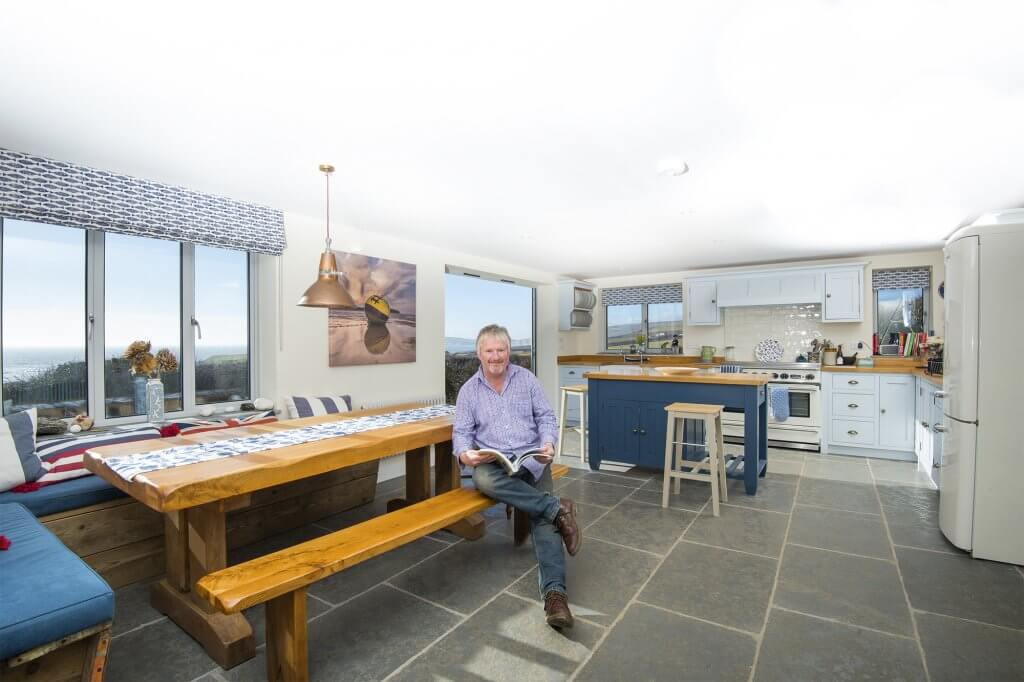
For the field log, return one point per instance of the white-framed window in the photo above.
(73, 299)
(656, 323)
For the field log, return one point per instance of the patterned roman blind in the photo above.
(658, 293)
(902, 278)
(47, 191)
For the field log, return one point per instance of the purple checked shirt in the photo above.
(516, 420)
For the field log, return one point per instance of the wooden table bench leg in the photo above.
(447, 476)
(287, 658)
(196, 545)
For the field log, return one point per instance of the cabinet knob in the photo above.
(853, 406)
(924, 424)
(714, 301)
(828, 295)
(643, 432)
(882, 410)
(635, 430)
(852, 432)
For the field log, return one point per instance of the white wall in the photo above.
(292, 340)
(592, 340)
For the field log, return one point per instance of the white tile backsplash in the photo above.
(793, 325)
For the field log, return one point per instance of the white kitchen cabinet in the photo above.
(573, 375)
(702, 302)
(733, 291)
(896, 402)
(801, 287)
(937, 422)
(576, 301)
(923, 425)
(765, 290)
(870, 414)
(844, 295)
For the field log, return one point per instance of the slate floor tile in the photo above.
(908, 505)
(797, 647)
(132, 607)
(467, 574)
(624, 478)
(506, 640)
(749, 530)
(865, 592)
(858, 497)
(772, 494)
(365, 639)
(600, 580)
(591, 492)
(852, 472)
(904, 473)
(643, 526)
(347, 584)
(787, 467)
(958, 650)
(923, 535)
(652, 645)
(161, 652)
(586, 514)
(274, 543)
(839, 530)
(715, 584)
(692, 494)
(959, 586)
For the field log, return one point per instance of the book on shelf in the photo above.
(512, 462)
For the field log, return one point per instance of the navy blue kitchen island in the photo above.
(627, 420)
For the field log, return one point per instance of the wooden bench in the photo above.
(280, 579)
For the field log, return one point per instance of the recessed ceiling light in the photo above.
(673, 168)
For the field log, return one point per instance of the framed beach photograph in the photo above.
(381, 328)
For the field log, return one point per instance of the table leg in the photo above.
(417, 479)
(753, 416)
(196, 545)
(763, 439)
(447, 476)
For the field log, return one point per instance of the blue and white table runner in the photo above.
(130, 466)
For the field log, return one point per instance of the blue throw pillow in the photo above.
(19, 462)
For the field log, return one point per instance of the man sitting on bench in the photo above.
(502, 407)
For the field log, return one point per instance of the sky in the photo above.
(471, 303)
(44, 307)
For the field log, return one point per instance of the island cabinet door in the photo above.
(620, 431)
(653, 425)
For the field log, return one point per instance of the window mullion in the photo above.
(95, 344)
(188, 334)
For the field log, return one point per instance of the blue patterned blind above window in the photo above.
(47, 191)
(658, 293)
(902, 278)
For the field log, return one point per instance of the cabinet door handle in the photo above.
(852, 382)
(852, 432)
(636, 430)
(828, 295)
(882, 410)
(643, 432)
(925, 424)
(938, 428)
(853, 406)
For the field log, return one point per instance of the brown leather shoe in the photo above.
(565, 522)
(556, 607)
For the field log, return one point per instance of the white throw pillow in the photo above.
(19, 462)
(299, 406)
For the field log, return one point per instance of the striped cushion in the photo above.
(19, 463)
(309, 406)
(62, 458)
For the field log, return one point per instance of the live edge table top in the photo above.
(192, 485)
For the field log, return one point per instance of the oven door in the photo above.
(804, 407)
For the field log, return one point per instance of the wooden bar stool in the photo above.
(714, 462)
(578, 391)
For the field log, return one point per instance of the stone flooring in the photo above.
(835, 570)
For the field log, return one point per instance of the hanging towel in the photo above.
(729, 369)
(778, 397)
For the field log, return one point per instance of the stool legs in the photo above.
(678, 467)
(670, 457)
(561, 427)
(583, 427)
(721, 459)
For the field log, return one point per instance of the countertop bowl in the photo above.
(676, 371)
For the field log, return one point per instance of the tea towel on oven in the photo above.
(778, 398)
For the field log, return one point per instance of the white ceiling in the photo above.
(532, 132)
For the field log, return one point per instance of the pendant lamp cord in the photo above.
(327, 177)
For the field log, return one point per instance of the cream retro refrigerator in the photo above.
(981, 487)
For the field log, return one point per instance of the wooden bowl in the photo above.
(676, 371)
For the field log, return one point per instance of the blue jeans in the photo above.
(542, 507)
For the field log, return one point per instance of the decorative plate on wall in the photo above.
(768, 350)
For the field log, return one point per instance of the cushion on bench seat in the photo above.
(64, 496)
(46, 592)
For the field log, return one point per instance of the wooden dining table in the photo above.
(196, 498)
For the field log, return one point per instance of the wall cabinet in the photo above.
(702, 302)
(576, 302)
(844, 295)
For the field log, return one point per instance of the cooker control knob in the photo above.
(809, 377)
(775, 375)
(784, 375)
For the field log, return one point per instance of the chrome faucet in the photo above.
(627, 358)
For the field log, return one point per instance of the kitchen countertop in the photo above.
(702, 376)
(617, 359)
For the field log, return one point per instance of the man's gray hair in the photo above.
(496, 331)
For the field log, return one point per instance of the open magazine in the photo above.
(512, 463)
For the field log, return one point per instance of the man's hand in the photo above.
(547, 454)
(473, 458)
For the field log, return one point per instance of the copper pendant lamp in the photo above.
(327, 291)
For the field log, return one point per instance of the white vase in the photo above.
(155, 400)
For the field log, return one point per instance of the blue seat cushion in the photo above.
(51, 499)
(46, 591)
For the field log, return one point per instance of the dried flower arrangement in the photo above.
(143, 363)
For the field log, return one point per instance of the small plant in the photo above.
(142, 362)
(640, 338)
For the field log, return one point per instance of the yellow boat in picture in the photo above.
(377, 309)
